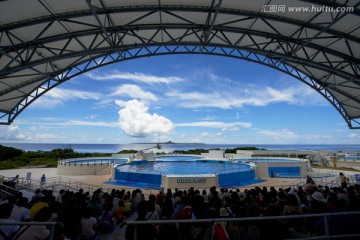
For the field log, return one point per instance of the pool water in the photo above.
(179, 158)
(183, 167)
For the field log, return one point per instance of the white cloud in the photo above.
(137, 77)
(37, 126)
(279, 135)
(66, 94)
(12, 132)
(136, 121)
(204, 134)
(248, 95)
(134, 91)
(224, 126)
(57, 96)
(209, 118)
(92, 124)
(49, 136)
(353, 135)
(120, 103)
(210, 135)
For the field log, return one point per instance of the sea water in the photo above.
(167, 148)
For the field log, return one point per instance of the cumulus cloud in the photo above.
(136, 121)
(12, 132)
(137, 77)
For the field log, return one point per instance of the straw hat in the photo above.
(318, 196)
(223, 212)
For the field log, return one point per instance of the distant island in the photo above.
(168, 142)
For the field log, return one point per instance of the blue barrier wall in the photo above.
(284, 171)
(153, 179)
(237, 178)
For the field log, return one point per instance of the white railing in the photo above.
(55, 184)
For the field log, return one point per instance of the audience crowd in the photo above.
(84, 216)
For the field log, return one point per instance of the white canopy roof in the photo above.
(46, 42)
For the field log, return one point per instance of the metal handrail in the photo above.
(212, 221)
(87, 161)
(50, 224)
(54, 183)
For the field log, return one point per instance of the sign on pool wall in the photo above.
(191, 180)
(184, 182)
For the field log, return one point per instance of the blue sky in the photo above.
(181, 98)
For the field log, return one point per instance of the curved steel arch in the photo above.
(54, 44)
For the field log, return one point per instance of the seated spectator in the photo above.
(87, 224)
(339, 224)
(127, 206)
(224, 214)
(37, 194)
(38, 205)
(105, 223)
(317, 203)
(35, 232)
(70, 214)
(119, 212)
(7, 231)
(153, 209)
(297, 226)
(59, 196)
(20, 213)
(160, 197)
(95, 206)
(143, 232)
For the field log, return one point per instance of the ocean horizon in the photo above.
(114, 148)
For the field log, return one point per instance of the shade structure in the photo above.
(44, 43)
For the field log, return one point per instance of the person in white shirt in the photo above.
(87, 223)
(59, 196)
(154, 209)
(20, 213)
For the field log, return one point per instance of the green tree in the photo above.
(9, 152)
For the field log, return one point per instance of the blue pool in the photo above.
(179, 158)
(179, 171)
(183, 167)
(155, 174)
